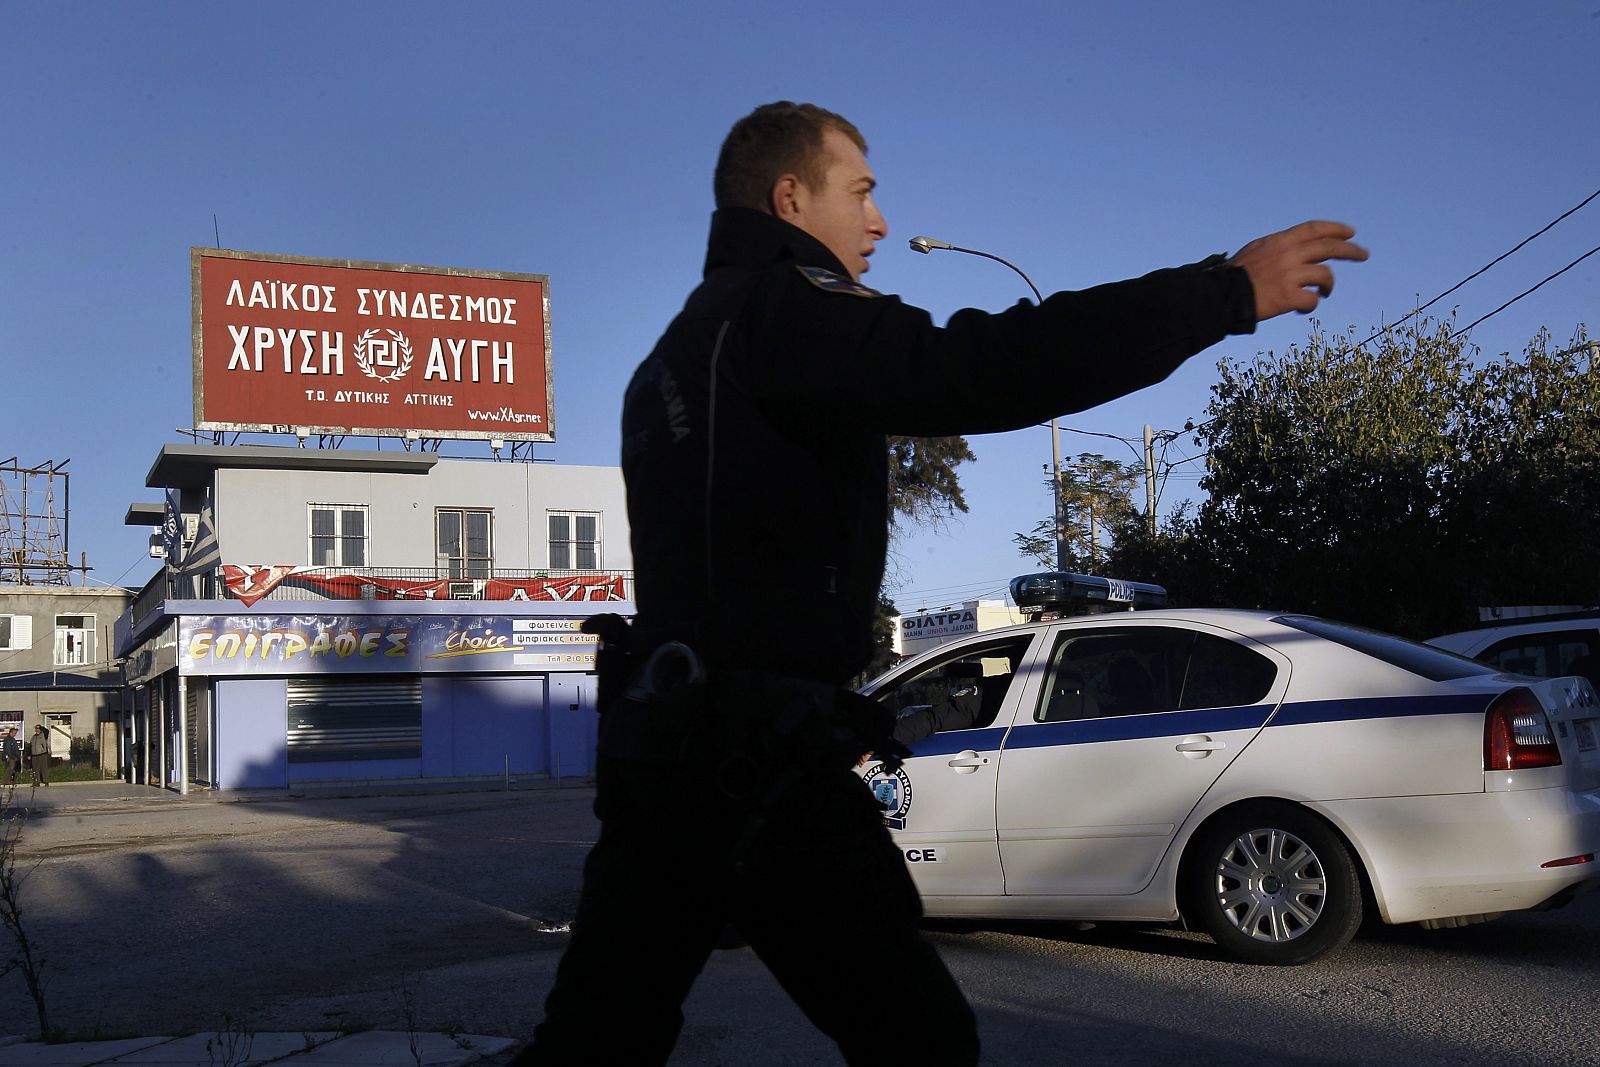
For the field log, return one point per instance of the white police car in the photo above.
(1545, 646)
(1259, 775)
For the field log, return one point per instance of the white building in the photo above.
(344, 614)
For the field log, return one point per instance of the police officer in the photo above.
(756, 466)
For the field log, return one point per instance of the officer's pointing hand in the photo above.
(1289, 269)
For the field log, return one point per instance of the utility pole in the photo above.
(1093, 534)
(1150, 478)
(1090, 498)
(1061, 514)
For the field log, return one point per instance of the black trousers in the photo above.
(790, 849)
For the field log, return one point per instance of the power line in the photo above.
(953, 593)
(1101, 433)
(1172, 435)
(1453, 336)
(979, 590)
(1504, 255)
(1524, 293)
(1560, 218)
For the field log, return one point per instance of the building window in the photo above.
(74, 640)
(338, 535)
(16, 632)
(574, 541)
(465, 542)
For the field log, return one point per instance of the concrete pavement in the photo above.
(373, 1048)
(64, 796)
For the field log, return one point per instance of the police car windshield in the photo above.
(1433, 663)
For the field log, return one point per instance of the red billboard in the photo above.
(288, 344)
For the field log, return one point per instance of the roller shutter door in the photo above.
(354, 719)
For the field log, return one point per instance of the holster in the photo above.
(780, 720)
(873, 726)
(613, 658)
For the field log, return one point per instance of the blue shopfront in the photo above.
(375, 691)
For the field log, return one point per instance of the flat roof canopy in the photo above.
(24, 681)
(191, 466)
(145, 515)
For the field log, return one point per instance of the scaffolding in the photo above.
(34, 506)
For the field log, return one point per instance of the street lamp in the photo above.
(926, 245)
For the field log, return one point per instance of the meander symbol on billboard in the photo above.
(385, 358)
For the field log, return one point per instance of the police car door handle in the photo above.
(968, 762)
(1200, 746)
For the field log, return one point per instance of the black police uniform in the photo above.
(756, 465)
(962, 711)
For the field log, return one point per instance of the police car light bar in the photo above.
(1052, 594)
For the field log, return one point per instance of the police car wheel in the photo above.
(1272, 884)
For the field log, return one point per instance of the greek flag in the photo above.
(204, 556)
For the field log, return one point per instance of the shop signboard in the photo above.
(266, 645)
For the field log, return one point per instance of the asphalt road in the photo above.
(446, 912)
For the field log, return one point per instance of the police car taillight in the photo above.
(1517, 734)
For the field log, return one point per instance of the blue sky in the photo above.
(1084, 142)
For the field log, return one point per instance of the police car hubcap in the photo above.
(1271, 885)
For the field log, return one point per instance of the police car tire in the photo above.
(1241, 873)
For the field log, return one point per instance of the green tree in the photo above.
(884, 624)
(1173, 557)
(924, 489)
(1401, 486)
(924, 480)
(1526, 496)
(1326, 479)
(1096, 500)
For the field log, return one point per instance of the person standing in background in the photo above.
(10, 757)
(39, 755)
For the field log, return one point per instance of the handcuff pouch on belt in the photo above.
(779, 723)
(749, 722)
(613, 657)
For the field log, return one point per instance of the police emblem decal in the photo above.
(385, 358)
(892, 790)
(834, 283)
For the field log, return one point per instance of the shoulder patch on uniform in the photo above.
(834, 283)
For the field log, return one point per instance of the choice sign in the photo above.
(321, 346)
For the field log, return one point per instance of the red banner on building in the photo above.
(320, 346)
(250, 584)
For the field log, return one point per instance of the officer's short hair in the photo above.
(774, 140)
